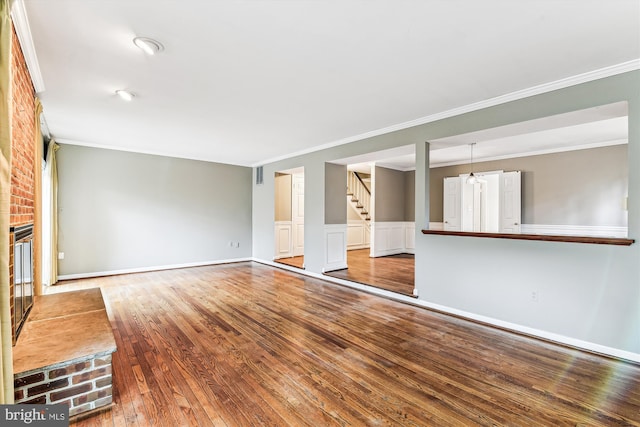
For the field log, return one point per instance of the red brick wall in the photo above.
(22, 139)
(22, 151)
(83, 386)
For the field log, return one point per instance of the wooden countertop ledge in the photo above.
(540, 237)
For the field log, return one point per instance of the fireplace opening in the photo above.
(22, 275)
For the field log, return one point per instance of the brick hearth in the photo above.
(63, 354)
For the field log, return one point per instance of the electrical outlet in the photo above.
(60, 255)
(237, 244)
(230, 244)
(535, 296)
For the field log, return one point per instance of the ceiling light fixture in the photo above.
(125, 94)
(148, 46)
(472, 179)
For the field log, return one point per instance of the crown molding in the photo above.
(612, 70)
(532, 153)
(23, 30)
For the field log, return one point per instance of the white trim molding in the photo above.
(147, 269)
(23, 30)
(335, 247)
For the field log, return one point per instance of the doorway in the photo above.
(380, 217)
(289, 217)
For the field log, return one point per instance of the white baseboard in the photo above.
(353, 248)
(147, 269)
(549, 336)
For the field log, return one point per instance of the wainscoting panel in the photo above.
(335, 243)
(410, 237)
(283, 238)
(390, 238)
(358, 235)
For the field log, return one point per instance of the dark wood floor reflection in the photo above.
(296, 261)
(251, 345)
(394, 273)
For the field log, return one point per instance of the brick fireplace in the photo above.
(24, 166)
(63, 354)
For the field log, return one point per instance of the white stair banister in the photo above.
(360, 195)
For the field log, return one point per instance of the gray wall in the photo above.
(394, 195)
(283, 197)
(120, 210)
(335, 194)
(583, 187)
(410, 196)
(389, 195)
(588, 293)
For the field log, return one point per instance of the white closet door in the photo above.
(297, 214)
(452, 209)
(510, 204)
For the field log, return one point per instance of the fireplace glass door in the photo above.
(22, 276)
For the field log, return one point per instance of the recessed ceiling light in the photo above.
(149, 46)
(125, 94)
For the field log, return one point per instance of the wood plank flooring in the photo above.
(294, 261)
(251, 345)
(394, 273)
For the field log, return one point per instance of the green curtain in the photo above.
(6, 355)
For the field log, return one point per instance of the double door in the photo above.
(492, 204)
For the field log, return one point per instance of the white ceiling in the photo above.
(246, 82)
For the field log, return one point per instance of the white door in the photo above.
(297, 213)
(510, 205)
(452, 210)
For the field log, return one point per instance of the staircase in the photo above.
(358, 195)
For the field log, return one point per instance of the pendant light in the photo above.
(472, 179)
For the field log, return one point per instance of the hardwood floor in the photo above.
(394, 273)
(250, 345)
(295, 261)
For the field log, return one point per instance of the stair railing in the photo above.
(359, 194)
